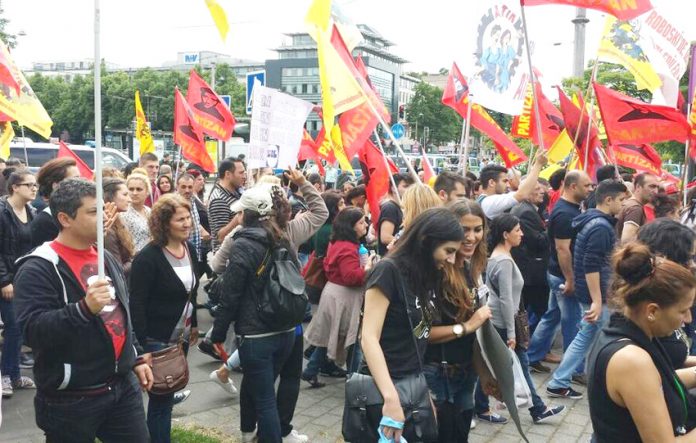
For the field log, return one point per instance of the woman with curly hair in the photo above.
(118, 240)
(161, 283)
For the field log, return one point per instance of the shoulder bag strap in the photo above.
(408, 314)
(190, 292)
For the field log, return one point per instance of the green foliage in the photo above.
(9, 39)
(426, 109)
(71, 103)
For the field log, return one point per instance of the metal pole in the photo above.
(24, 142)
(685, 180)
(386, 165)
(534, 92)
(579, 21)
(178, 162)
(467, 129)
(97, 140)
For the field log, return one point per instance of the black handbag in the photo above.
(362, 410)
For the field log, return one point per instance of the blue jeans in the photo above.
(576, 352)
(9, 363)
(538, 405)
(456, 388)
(563, 310)
(316, 361)
(159, 407)
(115, 416)
(262, 359)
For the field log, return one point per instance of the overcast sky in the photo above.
(138, 33)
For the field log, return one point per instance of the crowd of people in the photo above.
(394, 292)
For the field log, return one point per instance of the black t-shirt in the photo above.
(24, 235)
(677, 348)
(560, 227)
(388, 211)
(397, 337)
(460, 350)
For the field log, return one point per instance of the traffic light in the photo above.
(402, 112)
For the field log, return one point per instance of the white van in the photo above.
(37, 154)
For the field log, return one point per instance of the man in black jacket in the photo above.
(87, 366)
(532, 256)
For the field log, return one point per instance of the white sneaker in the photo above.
(473, 423)
(7, 390)
(295, 437)
(229, 387)
(249, 437)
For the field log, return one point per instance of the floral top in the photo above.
(136, 224)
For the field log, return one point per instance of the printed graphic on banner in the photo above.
(500, 74)
(277, 124)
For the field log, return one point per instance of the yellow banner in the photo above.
(212, 146)
(561, 148)
(6, 136)
(25, 108)
(142, 129)
(219, 17)
(621, 44)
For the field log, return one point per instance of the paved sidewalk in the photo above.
(318, 414)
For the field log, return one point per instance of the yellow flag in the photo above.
(25, 108)
(142, 129)
(621, 44)
(6, 136)
(339, 152)
(549, 170)
(219, 17)
(340, 90)
(561, 148)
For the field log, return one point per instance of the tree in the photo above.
(426, 110)
(9, 39)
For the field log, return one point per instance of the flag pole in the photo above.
(178, 162)
(685, 180)
(391, 136)
(97, 139)
(386, 165)
(465, 138)
(24, 143)
(537, 114)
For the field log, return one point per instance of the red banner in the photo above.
(189, 135)
(621, 9)
(523, 124)
(428, 172)
(642, 158)
(574, 125)
(629, 120)
(375, 176)
(210, 112)
(511, 153)
(456, 93)
(65, 151)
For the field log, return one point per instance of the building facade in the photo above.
(296, 70)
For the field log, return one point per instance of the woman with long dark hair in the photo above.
(635, 394)
(16, 215)
(164, 184)
(117, 239)
(162, 282)
(453, 359)
(504, 281)
(334, 327)
(412, 273)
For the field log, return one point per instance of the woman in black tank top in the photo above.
(634, 393)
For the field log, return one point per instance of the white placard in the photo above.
(277, 121)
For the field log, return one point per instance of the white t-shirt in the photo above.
(495, 205)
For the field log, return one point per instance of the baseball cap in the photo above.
(257, 199)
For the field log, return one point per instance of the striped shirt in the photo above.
(219, 212)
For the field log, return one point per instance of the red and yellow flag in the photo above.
(210, 112)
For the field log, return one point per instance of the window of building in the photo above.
(304, 88)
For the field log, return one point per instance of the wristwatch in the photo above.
(458, 330)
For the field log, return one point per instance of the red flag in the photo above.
(639, 157)
(571, 117)
(631, 121)
(357, 124)
(524, 125)
(428, 172)
(375, 176)
(189, 135)
(621, 9)
(210, 112)
(65, 151)
(456, 93)
(666, 176)
(456, 96)
(308, 148)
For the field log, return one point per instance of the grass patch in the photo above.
(199, 434)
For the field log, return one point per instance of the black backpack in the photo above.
(282, 302)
